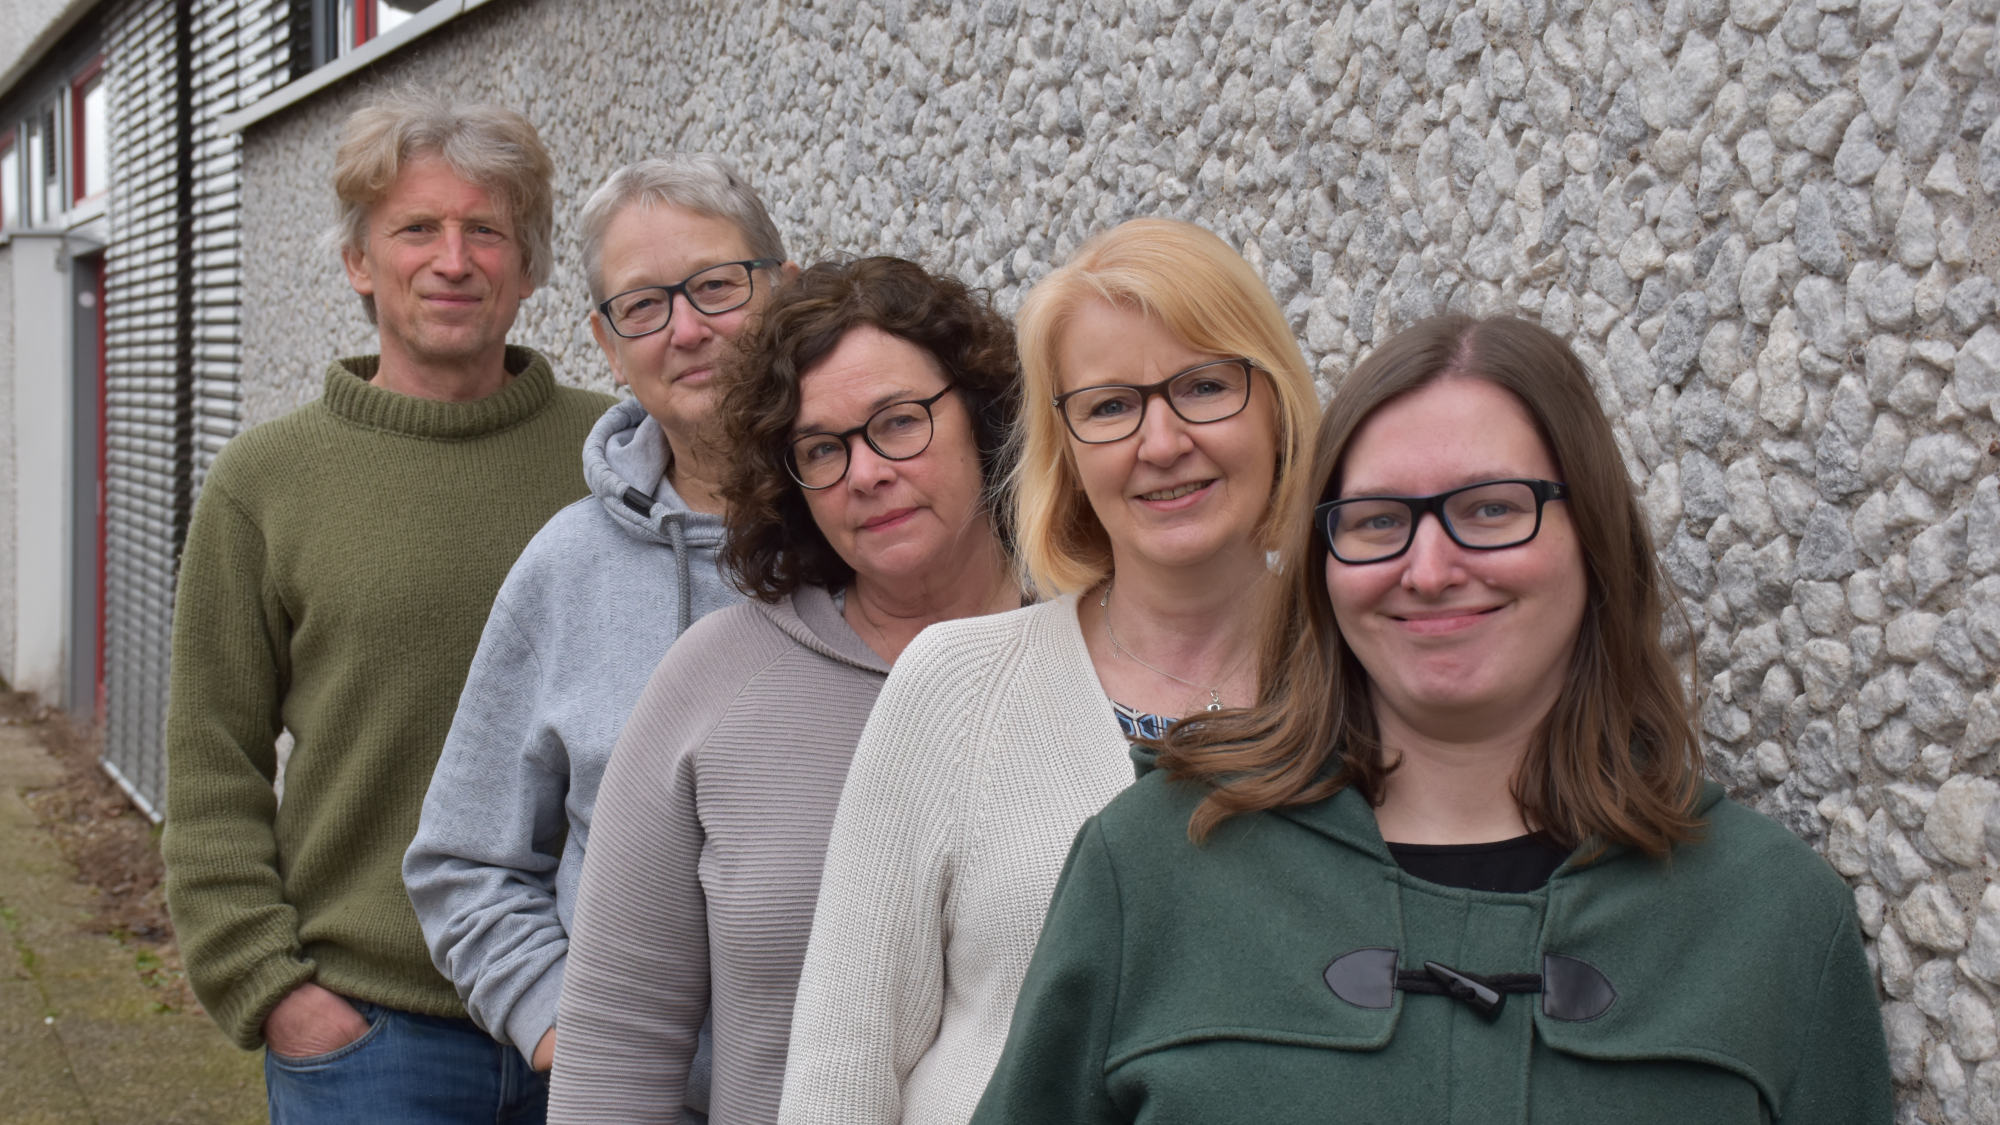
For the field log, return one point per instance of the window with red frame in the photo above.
(362, 20)
(90, 167)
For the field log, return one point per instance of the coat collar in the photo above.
(1346, 817)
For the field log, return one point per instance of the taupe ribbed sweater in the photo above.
(704, 862)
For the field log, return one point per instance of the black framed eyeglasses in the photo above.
(717, 289)
(898, 431)
(1207, 392)
(1488, 516)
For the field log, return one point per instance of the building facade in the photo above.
(120, 314)
(1772, 227)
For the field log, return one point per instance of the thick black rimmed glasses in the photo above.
(717, 289)
(1108, 412)
(1487, 516)
(898, 431)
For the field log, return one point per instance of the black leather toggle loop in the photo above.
(1573, 990)
(1483, 994)
(1365, 978)
(1368, 978)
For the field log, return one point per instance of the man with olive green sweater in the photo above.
(338, 570)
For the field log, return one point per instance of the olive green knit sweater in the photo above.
(338, 571)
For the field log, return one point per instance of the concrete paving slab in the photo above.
(82, 1038)
(162, 1070)
(35, 1080)
(23, 762)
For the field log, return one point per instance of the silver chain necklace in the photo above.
(1104, 603)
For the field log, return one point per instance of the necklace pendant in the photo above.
(1214, 700)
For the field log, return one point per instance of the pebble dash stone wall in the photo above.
(1769, 226)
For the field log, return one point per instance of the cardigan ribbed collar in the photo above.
(351, 397)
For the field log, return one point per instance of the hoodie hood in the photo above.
(811, 617)
(625, 463)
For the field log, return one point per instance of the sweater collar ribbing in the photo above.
(351, 397)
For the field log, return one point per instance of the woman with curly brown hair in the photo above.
(1167, 404)
(870, 409)
(1457, 862)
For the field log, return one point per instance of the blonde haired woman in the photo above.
(1166, 407)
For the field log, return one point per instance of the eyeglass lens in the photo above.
(714, 290)
(1208, 393)
(898, 431)
(1484, 516)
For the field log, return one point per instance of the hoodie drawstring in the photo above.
(678, 535)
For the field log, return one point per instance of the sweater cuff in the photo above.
(243, 1011)
(534, 1013)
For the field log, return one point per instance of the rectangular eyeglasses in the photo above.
(1108, 412)
(1489, 516)
(713, 291)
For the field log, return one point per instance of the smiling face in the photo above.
(672, 371)
(1451, 637)
(445, 269)
(895, 522)
(1175, 494)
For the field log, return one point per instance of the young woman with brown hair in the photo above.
(1458, 861)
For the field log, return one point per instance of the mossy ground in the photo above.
(96, 1023)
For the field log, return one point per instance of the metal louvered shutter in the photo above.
(173, 313)
(242, 51)
(146, 385)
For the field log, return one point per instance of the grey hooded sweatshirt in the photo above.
(578, 626)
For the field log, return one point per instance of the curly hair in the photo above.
(1616, 759)
(774, 546)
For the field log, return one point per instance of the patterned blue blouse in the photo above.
(1139, 724)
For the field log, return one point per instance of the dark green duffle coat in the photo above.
(1176, 983)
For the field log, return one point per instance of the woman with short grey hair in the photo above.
(689, 257)
(694, 181)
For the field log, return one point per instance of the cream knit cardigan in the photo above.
(991, 744)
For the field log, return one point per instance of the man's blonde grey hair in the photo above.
(697, 181)
(495, 148)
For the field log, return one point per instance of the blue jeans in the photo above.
(408, 1069)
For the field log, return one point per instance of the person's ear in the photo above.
(356, 263)
(605, 341)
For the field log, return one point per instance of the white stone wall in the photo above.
(1769, 225)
